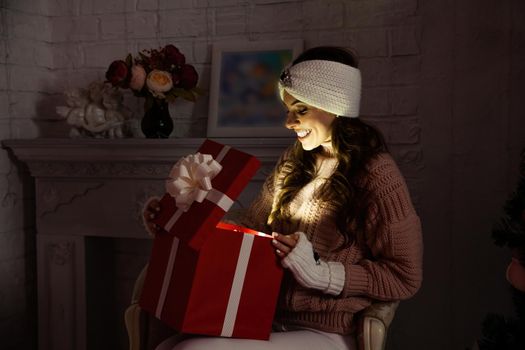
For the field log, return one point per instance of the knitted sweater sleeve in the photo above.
(394, 271)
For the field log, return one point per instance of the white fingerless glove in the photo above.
(328, 277)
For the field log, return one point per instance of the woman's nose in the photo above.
(291, 120)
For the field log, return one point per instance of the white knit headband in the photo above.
(331, 86)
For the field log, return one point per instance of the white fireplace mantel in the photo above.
(96, 188)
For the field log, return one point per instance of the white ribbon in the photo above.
(167, 277)
(237, 284)
(190, 179)
(187, 189)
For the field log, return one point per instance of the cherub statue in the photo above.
(95, 112)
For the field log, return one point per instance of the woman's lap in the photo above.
(292, 340)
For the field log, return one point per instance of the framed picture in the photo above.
(244, 101)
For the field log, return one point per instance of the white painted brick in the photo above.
(34, 104)
(30, 78)
(34, 7)
(67, 56)
(375, 102)
(106, 6)
(370, 42)
(182, 23)
(21, 52)
(321, 38)
(24, 104)
(271, 36)
(405, 100)
(30, 52)
(221, 3)
(142, 25)
(376, 71)
(3, 78)
(406, 70)
(405, 132)
(75, 28)
(81, 78)
(275, 18)
(202, 52)
(405, 7)
(113, 26)
(24, 129)
(175, 5)
(322, 14)
(100, 55)
(26, 26)
(3, 19)
(62, 27)
(272, 1)
(147, 5)
(4, 104)
(43, 55)
(367, 13)
(62, 8)
(230, 21)
(85, 28)
(404, 41)
(3, 51)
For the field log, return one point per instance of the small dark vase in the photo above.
(157, 123)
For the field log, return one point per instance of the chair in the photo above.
(373, 322)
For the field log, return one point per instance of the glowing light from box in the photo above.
(241, 229)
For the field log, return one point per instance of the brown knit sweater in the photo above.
(386, 267)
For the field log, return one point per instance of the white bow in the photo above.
(190, 179)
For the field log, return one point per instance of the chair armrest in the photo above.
(134, 317)
(373, 325)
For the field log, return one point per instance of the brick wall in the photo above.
(442, 79)
(25, 60)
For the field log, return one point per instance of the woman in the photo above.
(339, 209)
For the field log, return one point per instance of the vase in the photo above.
(157, 123)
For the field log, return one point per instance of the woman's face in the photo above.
(313, 126)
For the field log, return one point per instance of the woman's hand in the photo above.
(284, 244)
(151, 208)
(298, 256)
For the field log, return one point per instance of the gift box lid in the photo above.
(194, 223)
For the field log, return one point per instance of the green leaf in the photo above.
(185, 94)
(199, 91)
(171, 98)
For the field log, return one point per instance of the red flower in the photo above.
(117, 73)
(174, 56)
(188, 77)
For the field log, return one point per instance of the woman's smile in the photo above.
(313, 126)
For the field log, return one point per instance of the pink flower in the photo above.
(158, 82)
(138, 77)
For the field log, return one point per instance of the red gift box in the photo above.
(194, 225)
(227, 288)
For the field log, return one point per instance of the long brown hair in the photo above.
(354, 143)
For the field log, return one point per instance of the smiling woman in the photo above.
(313, 126)
(339, 211)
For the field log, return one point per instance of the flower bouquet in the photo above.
(160, 75)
